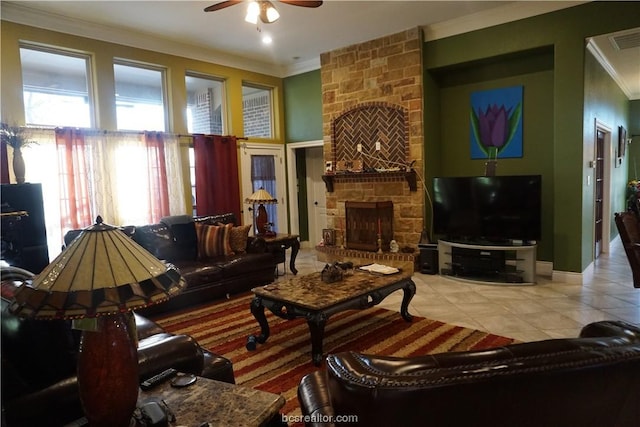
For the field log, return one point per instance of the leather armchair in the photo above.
(39, 360)
(628, 225)
(593, 380)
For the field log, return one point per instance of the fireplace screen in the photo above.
(365, 221)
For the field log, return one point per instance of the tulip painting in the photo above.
(496, 123)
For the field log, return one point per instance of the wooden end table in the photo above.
(282, 242)
(309, 297)
(217, 403)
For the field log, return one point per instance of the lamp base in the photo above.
(261, 220)
(108, 372)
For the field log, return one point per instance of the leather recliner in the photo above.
(593, 380)
(39, 361)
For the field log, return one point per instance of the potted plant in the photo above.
(16, 137)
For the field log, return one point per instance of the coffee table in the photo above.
(309, 297)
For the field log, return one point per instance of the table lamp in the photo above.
(102, 275)
(262, 197)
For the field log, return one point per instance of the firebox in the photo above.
(365, 221)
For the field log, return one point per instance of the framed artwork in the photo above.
(622, 141)
(496, 123)
(329, 236)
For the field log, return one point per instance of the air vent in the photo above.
(626, 41)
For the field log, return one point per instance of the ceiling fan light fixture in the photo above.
(269, 13)
(253, 11)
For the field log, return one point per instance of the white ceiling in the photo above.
(299, 36)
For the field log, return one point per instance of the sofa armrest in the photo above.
(611, 328)
(161, 351)
(315, 401)
(256, 245)
(57, 404)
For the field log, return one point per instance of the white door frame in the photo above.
(609, 158)
(276, 150)
(291, 179)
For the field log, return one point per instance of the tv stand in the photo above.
(495, 264)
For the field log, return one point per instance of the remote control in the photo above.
(157, 379)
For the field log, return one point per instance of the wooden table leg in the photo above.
(316, 322)
(295, 247)
(257, 309)
(409, 290)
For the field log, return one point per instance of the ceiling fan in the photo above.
(263, 9)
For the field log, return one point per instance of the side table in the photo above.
(280, 243)
(217, 403)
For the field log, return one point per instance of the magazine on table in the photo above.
(380, 269)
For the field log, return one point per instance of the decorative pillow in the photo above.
(238, 238)
(213, 240)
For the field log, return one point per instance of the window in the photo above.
(263, 175)
(257, 111)
(56, 87)
(140, 97)
(205, 105)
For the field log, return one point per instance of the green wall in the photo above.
(303, 107)
(537, 110)
(566, 241)
(604, 101)
(633, 149)
(303, 122)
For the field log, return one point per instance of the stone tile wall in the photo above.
(389, 71)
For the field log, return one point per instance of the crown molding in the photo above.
(510, 12)
(25, 15)
(602, 59)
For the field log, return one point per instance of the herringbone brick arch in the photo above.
(367, 124)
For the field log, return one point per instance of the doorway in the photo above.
(604, 158)
(262, 166)
(313, 191)
(316, 198)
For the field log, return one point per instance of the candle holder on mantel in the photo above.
(379, 243)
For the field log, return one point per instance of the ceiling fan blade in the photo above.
(302, 3)
(221, 5)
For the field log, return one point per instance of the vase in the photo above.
(18, 165)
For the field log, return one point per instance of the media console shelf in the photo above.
(494, 264)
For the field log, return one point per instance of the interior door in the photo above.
(599, 191)
(278, 213)
(316, 198)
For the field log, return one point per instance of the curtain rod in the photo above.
(244, 138)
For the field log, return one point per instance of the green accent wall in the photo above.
(633, 149)
(303, 122)
(455, 90)
(554, 139)
(604, 101)
(303, 107)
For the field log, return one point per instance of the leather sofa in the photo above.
(174, 240)
(593, 380)
(39, 358)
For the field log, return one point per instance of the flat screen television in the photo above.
(491, 209)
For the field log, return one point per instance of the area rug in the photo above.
(278, 365)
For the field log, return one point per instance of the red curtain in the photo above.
(75, 200)
(157, 170)
(217, 180)
(4, 165)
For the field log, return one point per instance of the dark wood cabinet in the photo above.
(23, 232)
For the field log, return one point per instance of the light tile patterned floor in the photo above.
(527, 313)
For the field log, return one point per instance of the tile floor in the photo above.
(527, 313)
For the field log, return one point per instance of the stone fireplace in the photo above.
(373, 139)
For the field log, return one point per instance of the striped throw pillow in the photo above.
(213, 240)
